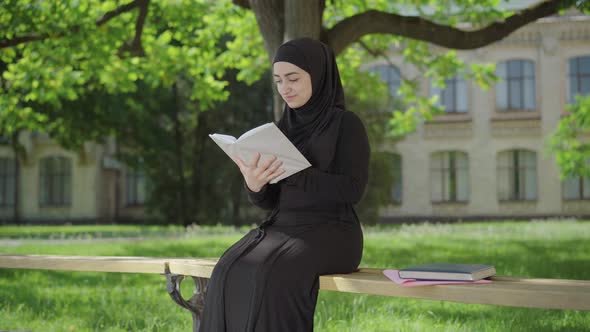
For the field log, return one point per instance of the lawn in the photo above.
(80, 301)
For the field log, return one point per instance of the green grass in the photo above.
(88, 232)
(79, 301)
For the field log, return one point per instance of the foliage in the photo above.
(88, 81)
(79, 56)
(367, 96)
(570, 141)
(190, 179)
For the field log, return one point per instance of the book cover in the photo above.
(269, 141)
(446, 271)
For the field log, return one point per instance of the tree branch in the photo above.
(378, 53)
(5, 43)
(351, 29)
(242, 3)
(135, 46)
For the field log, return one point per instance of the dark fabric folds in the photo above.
(268, 281)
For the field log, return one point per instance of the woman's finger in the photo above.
(271, 169)
(276, 173)
(239, 162)
(266, 164)
(256, 160)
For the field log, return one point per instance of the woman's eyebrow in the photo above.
(287, 74)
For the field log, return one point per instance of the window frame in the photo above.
(454, 83)
(7, 175)
(453, 170)
(52, 176)
(133, 179)
(517, 172)
(578, 75)
(521, 80)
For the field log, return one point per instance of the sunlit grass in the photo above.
(83, 301)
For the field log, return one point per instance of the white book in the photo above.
(269, 141)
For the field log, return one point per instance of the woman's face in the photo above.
(293, 83)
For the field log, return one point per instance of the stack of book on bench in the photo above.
(441, 274)
(444, 271)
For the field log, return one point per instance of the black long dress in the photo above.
(269, 279)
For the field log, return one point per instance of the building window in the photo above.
(517, 175)
(454, 96)
(56, 181)
(576, 188)
(396, 190)
(579, 77)
(516, 89)
(449, 176)
(7, 181)
(135, 187)
(391, 76)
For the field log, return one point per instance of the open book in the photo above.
(270, 141)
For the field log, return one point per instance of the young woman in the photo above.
(269, 279)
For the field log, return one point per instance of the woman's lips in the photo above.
(289, 97)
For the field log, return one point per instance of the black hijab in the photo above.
(314, 121)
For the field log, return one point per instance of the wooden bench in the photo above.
(505, 291)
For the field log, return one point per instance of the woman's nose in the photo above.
(283, 89)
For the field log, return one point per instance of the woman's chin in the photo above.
(293, 104)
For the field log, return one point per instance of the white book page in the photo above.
(256, 130)
(268, 140)
(227, 139)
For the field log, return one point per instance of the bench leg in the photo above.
(196, 303)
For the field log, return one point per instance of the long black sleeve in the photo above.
(352, 166)
(267, 198)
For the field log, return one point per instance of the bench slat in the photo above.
(563, 295)
(519, 292)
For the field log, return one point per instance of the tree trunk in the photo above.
(179, 155)
(303, 18)
(15, 149)
(280, 21)
(270, 15)
(201, 129)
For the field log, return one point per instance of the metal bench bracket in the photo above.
(196, 303)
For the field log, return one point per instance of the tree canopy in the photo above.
(80, 70)
(53, 51)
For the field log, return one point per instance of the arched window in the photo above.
(517, 175)
(55, 181)
(397, 188)
(7, 181)
(579, 76)
(454, 96)
(516, 89)
(449, 176)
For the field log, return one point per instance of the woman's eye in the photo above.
(295, 80)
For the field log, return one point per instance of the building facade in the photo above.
(55, 184)
(485, 157)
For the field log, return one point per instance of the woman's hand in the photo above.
(259, 174)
